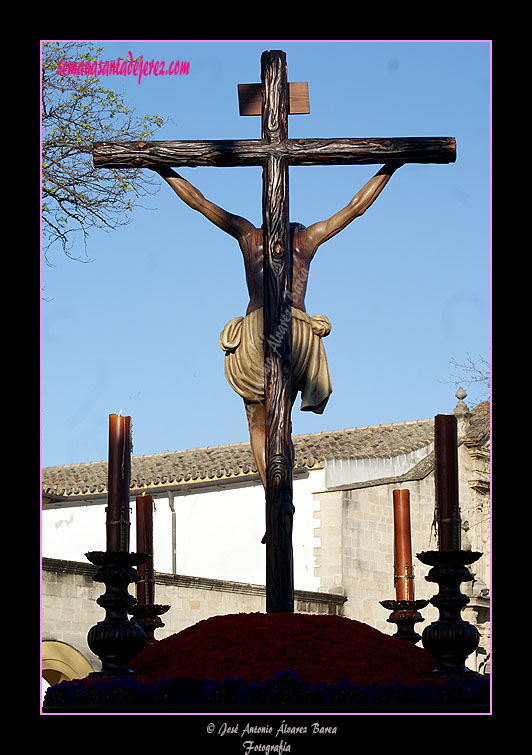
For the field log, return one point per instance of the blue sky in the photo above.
(406, 286)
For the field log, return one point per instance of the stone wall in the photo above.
(355, 551)
(69, 607)
(356, 554)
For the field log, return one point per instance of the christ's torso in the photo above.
(253, 248)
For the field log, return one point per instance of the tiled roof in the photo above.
(478, 432)
(480, 422)
(222, 462)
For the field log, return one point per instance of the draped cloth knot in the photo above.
(320, 325)
(242, 339)
(230, 335)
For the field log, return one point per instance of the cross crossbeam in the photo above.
(275, 152)
(255, 152)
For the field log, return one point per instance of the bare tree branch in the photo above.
(474, 373)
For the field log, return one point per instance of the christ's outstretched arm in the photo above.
(318, 233)
(233, 224)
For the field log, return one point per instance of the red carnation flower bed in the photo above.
(255, 647)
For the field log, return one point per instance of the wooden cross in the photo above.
(275, 152)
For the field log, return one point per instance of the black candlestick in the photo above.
(116, 640)
(148, 616)
(450, 639)
(405, 613)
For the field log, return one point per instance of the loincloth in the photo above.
(242, 339)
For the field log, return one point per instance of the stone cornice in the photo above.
(62, 566)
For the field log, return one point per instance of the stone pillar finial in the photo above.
(462, 413)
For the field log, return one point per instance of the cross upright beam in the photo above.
(275, 152)
(277, 276)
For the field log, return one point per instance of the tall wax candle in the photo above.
(141, 548)
(118, 481)
(446, 482)
(146, 587)
(404, 571)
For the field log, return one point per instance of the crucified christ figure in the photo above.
(243, 337)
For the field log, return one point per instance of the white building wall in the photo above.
(71, 530)
(218, 533)
(347, 471)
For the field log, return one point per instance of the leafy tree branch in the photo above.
(76, 111)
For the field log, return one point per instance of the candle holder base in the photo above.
(148, 617)
(450, 639)
(116, 640)
(405, 613)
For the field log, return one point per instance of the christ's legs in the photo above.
(256, 414)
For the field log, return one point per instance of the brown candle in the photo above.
(404, 572)
(118, 480)
(146, 587)
(446, 482)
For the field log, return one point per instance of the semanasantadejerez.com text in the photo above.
(123, 67)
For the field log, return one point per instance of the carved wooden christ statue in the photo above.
(242, 339)
(276, 328)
